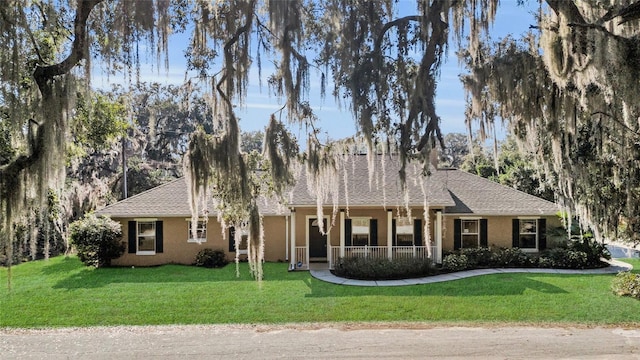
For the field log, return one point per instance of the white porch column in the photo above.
(342, 234)
(438, 229)
(293, 239)
(390, 234)
(286, 237)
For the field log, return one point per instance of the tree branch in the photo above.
(43, 74)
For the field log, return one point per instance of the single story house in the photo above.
(450, 209)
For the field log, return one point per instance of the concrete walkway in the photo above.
(326, 275)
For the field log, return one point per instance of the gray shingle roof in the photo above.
(476, 195)
(457, 191)
(170, 200)
(385, 187)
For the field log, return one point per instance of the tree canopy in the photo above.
(568, 91)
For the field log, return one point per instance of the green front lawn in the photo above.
(62, 292)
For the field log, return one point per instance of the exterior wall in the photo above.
(177, 250)
(375, 213)
(499, 229)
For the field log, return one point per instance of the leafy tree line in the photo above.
(515, 167)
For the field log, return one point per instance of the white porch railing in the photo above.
(397, 252)
(301, 258)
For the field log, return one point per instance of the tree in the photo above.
(456, 147)
(569, 92)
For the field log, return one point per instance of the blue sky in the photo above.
(337, 122)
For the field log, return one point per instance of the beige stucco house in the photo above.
(450, 209)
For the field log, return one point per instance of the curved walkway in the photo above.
(326, 275)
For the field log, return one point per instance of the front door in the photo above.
(317, 241)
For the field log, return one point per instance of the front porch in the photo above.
(380, 252)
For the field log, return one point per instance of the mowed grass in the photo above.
(62, 292)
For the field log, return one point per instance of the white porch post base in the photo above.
(390, 234)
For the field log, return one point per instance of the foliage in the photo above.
(626, 284)
(578, 253)
(456, 148)
(511, 257)
(381, 268)
(455, 262)
(477, 256)
(568, 90)
(211, 258)
(97, 240)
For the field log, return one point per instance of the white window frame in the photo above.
(464, 233)
(202, 228)
(521, 233)
(357, 229)
(401, 224)
(146, 235)
(244, 236)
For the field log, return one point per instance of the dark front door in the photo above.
(317, 241)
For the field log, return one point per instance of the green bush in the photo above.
(581, 253)
(477, 256)
(381, 268)
(211, 258)
(511, 257)
(626, 284)
(592, 249)
(98, 240)
(455, 262)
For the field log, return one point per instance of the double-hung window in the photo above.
(146, 238)
(200, 233)
(528, 239)
(360, 231)
(470, 234)
(404, 231)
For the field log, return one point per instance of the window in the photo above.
(360, 231)
(244, 239)
(528, 238)
(404, 231)
(201, 232)
(146, 243)
(470, 233)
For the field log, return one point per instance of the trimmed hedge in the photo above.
(382, 268)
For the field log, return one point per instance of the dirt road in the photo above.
(324, 341)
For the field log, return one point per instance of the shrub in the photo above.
(98, 240)
(455, 262)
(477, 256)
(511, 257)
(626, 284)
(592, 249)
(211, 258)
(563, 258)
(381, 268)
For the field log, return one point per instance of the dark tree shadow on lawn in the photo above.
(74, 275)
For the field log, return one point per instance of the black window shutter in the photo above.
(457, 234)
(483, 233)
(515, 240)
(393, 233)
(159, 237)
(542, 234)
(232, 239)
(133, 232)
(417, 232)
(347, 232)
(373, 232)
